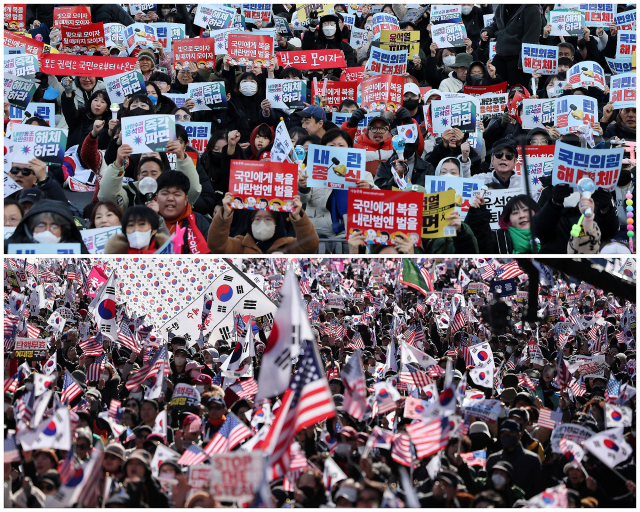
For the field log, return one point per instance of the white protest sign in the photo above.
(235, 476)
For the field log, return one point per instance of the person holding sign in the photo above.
(328, 38)
(81, 120)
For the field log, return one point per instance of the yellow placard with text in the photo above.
(397, 40)
(436, 208)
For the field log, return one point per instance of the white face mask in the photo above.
(179, 360)
(29, 386)
(248, 88)
(371, 369)
(200, 389)
(449, 60)
(105, 376)
(135, 396)
(167, 475)
(329, 30)
(262, 230)
(46, 237)
(139, 239)
(509, 349)
(499, 481)
(466, 9)
(343, 449)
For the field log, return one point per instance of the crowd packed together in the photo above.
(333, 129)
(346, 383)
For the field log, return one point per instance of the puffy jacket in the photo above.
(80, 96)
(451, 84)
(252, 141)
(229, 119)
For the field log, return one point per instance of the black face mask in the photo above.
(138, 112)
(308, 491)
(216, 159)
(476, 80)
(625, 177)
(409, 150)
(311, 76)
(410, 104)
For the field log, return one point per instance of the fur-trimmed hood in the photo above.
(119, 244)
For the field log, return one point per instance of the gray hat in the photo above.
(115, 449)
(479, 427)
(463, 60)
(457, 374)
(79, 376)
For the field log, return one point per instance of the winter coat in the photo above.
(110, 13)
(80, 96)
(524, 25)
(451, 84)
(316, 40)
(528, 473)
(618, 130)
(229, 119)
(119, 244)
(80, 122)
(384, 178)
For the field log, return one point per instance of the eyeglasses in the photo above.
(500, 154)
(25, 171)
(182, 118)
(379, 129)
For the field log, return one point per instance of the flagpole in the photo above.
(615, 471)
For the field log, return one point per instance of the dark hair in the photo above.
(518, 202)
(105, 96)
(174, 179)
(290, 72)
(244, 76)
(567, 45)
(111, 206)
(439, 56)
(451, 159)
(312, 139)
(143, 98)
(347, 103)
(181, 133)
(160, 77)
(300, 131)
(9, 202)
(205, 159)
(333, 134)
(264, 131)
(156, 87)
(140, 212)
(35, 120)
(183, 108)
(146, 159)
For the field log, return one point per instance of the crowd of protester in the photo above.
(195, 194)
(379, 335)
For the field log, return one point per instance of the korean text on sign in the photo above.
(436, 208)
(263, 185)
(571, 164)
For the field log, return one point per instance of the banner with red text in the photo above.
(201, 51)
(263, 185)
(312, 59)
(71, 16)
(244, 49)
(382, 93)
(84, 39)
(85, 65)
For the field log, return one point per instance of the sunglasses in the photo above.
(216, 407)
(182, 118)
(500, 154)
(25, 172)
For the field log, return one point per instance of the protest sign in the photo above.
(446, 14)
(382, 93)
(569, 432)
(404, 40)
(623, 90)
(383, 21)
(571, 164)
(200, 51)
(539, 163)
(453, 113)
(207, 95)
(465, 190)
(304, 12)
(448, 35)
(200, 477)
(31, 46)
(41, 142)
(574, 111)
(359, 37)
(34, 349)
(335, 93)
(113, 34)
(198, 134)
(487, 19)
(263, 185)
(257, 12)
(45, 249)
(495, 200)
(487, 410)
(78, 186)
(565, 22)
(85, 65)
(168, 33)
(124, 84)
(384, 62)
(381, 215)
(598, 15)
(178, 99)
(10, 186)
(626, 44)
(492, 105)
(14, 51)
(244, 49)
(335, 167)
(235, 476)
(286, 93)
(312, 59)
(586, 74)
(221, 37)
(21, 65)
(619, 66)
(282, 27)
(214, 16)
(538, 113)
(625, 20)
(96, 239)
(492, 49)
(480, 90)
(352, 74)
(148, 133)
(436, 208)
(339, 118)
(503, 288)
(282, 144)
(84, 39)
(45, 111)
(139, 35)
(15, 16)
(540, 58)
(75, 16)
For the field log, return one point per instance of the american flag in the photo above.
(11, 384)
(419, 339)
(70, 388)
(30, 268)
(414, 377)
(355, 394)
(458, 321)
(401, 450)
(593, 332)
(421, 307)
(305, 285)
(478, 458)
(562, 372)
(487, 270)
(333, 371)
(579, 387)
(524, 380)
(356, 341)
(427, 278)
(114, 409)
(92, 346)
(10, 328)
(149, 369)
(509, 270)
(25, 407)
(192, 455)
(435, 370)
(549, 419)
(429, 438)
(68, 467)
(308, 401)
(601, 343)
(612, 392)
(511, 363)
(298, 464)
(231, 433)
(83, 405)
(246, 388)
(464, 345)
(93, 374)
(71, 272)
(336, 330)
(125, 336)
(11, 452)
(410, 336)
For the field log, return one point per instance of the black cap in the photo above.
(30, 195)
(504, 143)
(448, 476)
(504, 466)
(510, 425)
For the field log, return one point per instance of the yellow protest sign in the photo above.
(304, 12)
(397, 40)
(436, 208)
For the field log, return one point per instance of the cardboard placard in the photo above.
(85, 65)
(540, 58)
(248, 49)
(15, 16)
(312, 59)
(571, 164)
(436, 208)
(124, 84)
(200, 51)
(41, 142)
(208, 95)
(83, 39)
(263, 185)
(335, 167)
(382, 93)
(286, 93)
(449, 35)
(148, 133)
(75, 16)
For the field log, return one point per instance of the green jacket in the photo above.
(555, 399)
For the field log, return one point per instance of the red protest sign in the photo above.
(352, 74)
(536, 152)
(312, 59)
(201, 51)
(15, 16)
(477, 90)
(381, 215)
(85, 65)
(336, 93)
(382, 92)
(263, 185)
(32, 46)
(83, 39)
(246, 49)
(71, 16)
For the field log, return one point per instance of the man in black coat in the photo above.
(110, 13)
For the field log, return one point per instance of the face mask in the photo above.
(154, 100)
(329, 31)
(343, 449)
(135, 396)
(308, 491)
(248, 88)
(263, 231)
(165, 474)
(138, 112)
(509, 349)
(466, 9)
(371, 369)
(311, 76)
(625, 177)
(104, 376)
(498, 481)
(179, 361)
(46, 237)
(216, 159)
(476, 80)
(410, 104)
(165, 12)
(200, 389)
(508, 441)
(139, 239)
(449, 60)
